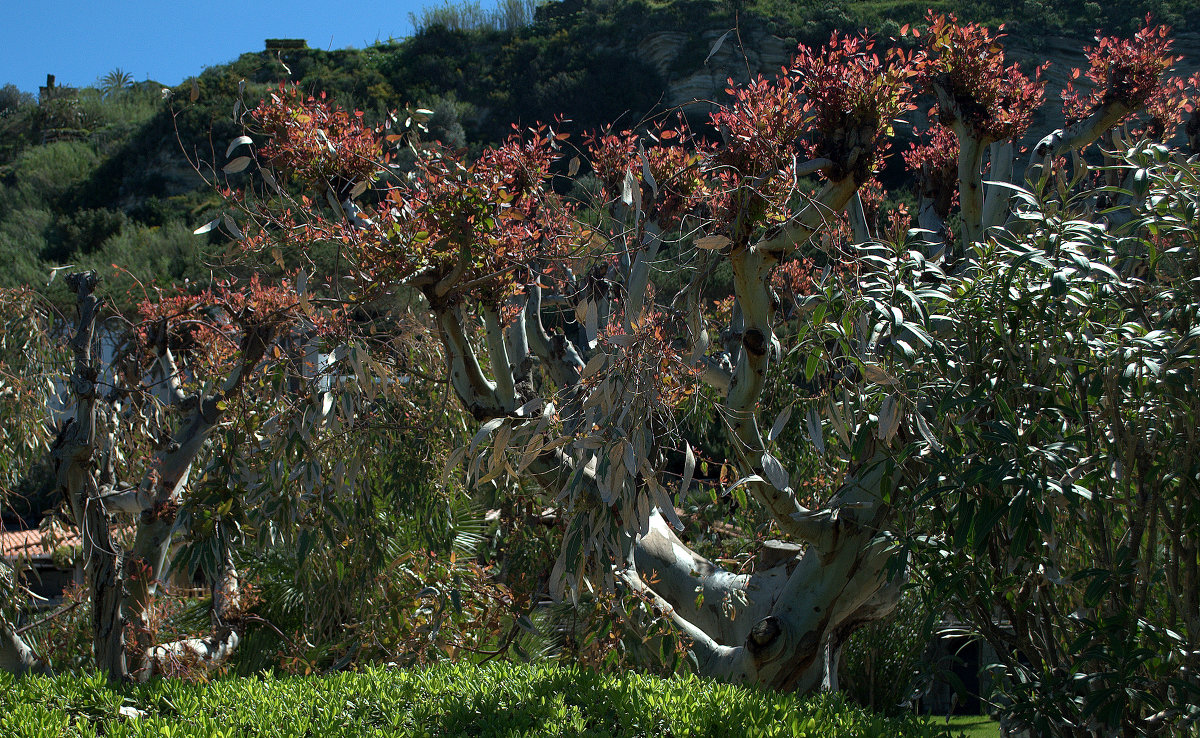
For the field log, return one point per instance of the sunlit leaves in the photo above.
(967, 62)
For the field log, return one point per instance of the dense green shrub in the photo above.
(460, 700)
(883, 663)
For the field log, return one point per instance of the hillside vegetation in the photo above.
(105, 176)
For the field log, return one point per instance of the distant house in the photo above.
(286, 44)
(49, 557)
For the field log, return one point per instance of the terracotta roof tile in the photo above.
(37, 543)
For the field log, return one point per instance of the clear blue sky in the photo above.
(169, 41)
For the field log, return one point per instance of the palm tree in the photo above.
(115, 81)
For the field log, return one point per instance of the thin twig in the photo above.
(60, 611)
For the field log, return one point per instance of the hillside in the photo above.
(102, 176)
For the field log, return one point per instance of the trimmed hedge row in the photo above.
(451, 700)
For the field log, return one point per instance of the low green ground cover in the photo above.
(450, 700)
(973, 726)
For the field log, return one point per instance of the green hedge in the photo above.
(451, 700)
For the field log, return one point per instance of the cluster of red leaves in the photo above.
(761, 126)
(318, 143)
(835, 102)
(674, 161)
(650, 365)
(890, 223)
(872, 196)
(205, 326)
(967, 62)
(489, 219)
(935, 164)
(851, 96)
(613, 155)
(1168, 107)
(1125, 72)
(794, 277)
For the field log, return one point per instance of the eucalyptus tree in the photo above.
(577, 367)
(557, 336)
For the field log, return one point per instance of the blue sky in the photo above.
(169, 41)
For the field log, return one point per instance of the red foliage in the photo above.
(836, 102)
(205, 325)
(793, 277)
(675, 167)
(318, 143)
(967, 63)
(498, 213)
(852, 95)
(935, 165)
(1122, 71)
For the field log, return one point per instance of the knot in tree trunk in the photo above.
(763, 635)
(755, 342)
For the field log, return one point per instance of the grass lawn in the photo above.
(973, 726)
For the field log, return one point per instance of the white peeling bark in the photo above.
(170, 658)
(501, 363)
(858, 219)
(996, 199)
(16, 657)
(722, 604)
(1072, 138)
(970, 184)
(474, 390)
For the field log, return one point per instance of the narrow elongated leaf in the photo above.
(232, 227)
(815, 433)
(776, 474)
(235, 143)
(889, 418)
(717, 45)
(271, 182)
(595, 364)
(873, 373)
(927, 432)
(780, 422)
(743, 481)
(627, 187)
(207, 226)
(712, 242)
(484, 431)
(530, 408)
(689, 468)
(629, 457)
(646, 175)
(839, 425)
(667, 507)
(236, 165)
(452, 462)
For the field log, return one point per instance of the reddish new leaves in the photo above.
(676, 184)
(965, 64)
(481, 225)
(1127, 73)
(852, 95)
(936, 167)
(319, 143)
(836, 102)
(207, 326)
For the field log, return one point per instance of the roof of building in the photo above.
(36, 543)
